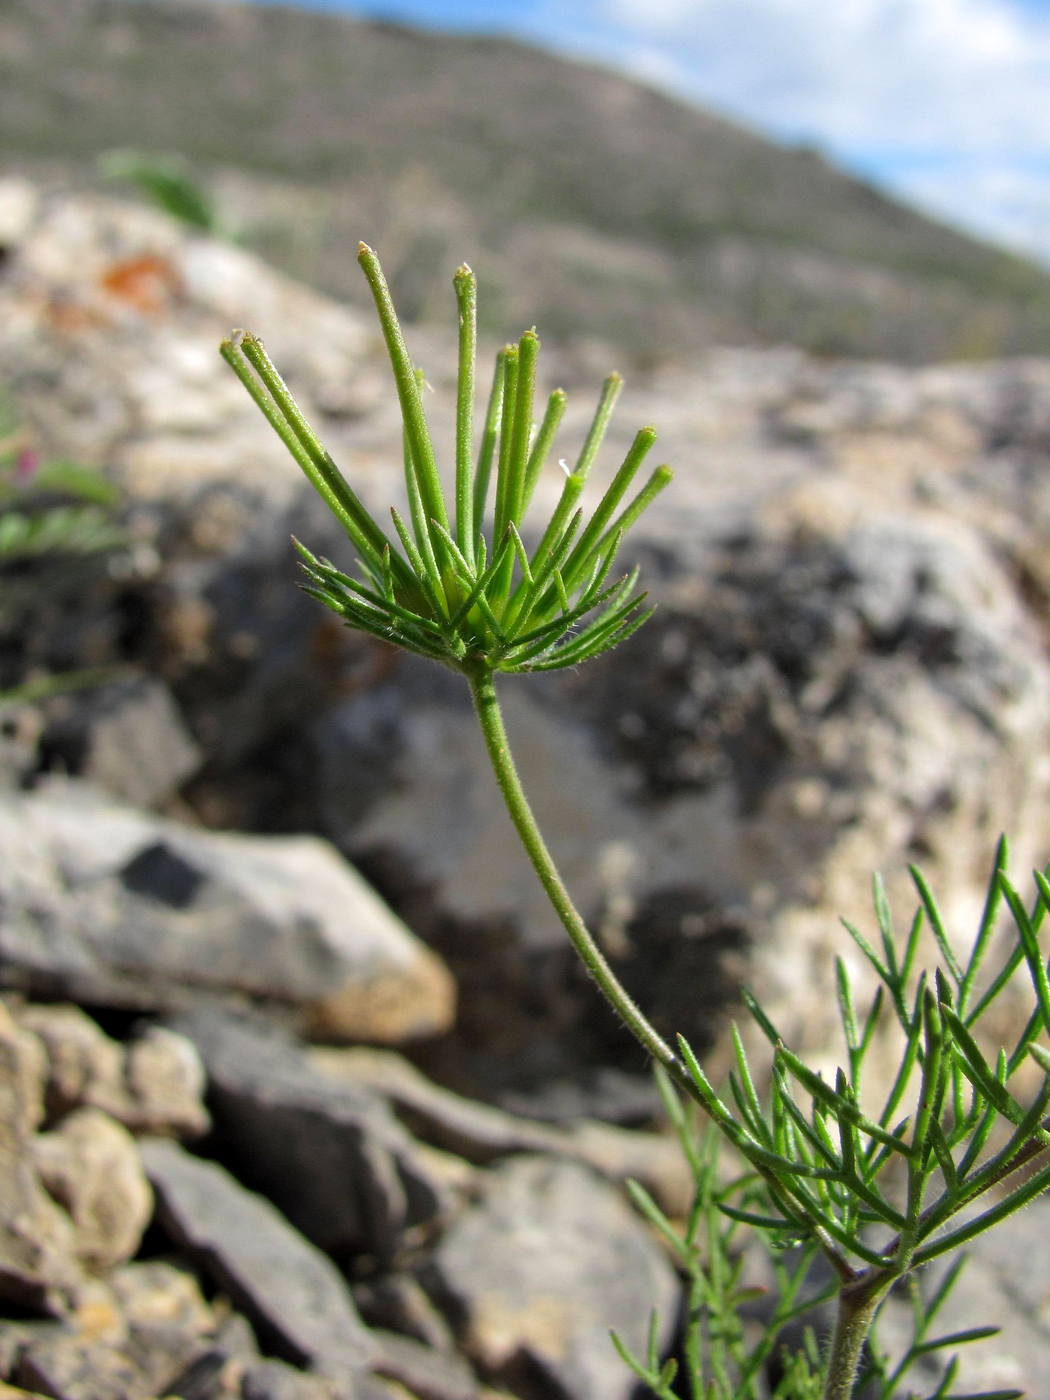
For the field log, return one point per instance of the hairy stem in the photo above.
(856, 1313)
(491, 720)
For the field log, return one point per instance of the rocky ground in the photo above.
(302, 1094)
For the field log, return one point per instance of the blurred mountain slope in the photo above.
(585, 200)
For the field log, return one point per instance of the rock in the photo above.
(397, 1302)
(38, 1268)
(62, 285)
(482, 1133)
(173, 911)
(21, 725)
(105, 1346)
(831, 690)
(429, 1374)
(211, 1375)
(83, 1065)
(217, 1370)
(26, 1072)
(165, 1081)
(126, 737)
(294, 1296)
(91, 1166)
(412, 746)
(69, 1368)
(829, 680)
(537, 1272)
(329, 1153)
(274, 1380)
(155, 1084)
(165, 1317)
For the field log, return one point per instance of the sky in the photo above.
(945, 103)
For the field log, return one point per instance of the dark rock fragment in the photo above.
(69, 1367)
(329, 1153)
(430, 1374)
(298, 1302)
(128, 737)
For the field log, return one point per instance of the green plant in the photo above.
(52, 507)
(877, 1193)
(52, 514)
(948, 1152)
(167, 181)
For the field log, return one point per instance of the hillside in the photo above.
(585, 200)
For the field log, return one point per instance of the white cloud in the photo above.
(1004, 203)
(971, 72)
(884, 85)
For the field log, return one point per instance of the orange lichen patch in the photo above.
(70, 317)
(147, 282)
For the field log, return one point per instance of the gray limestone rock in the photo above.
(126, 737)
(329, 1153)
(1005, 1283)
(105, 903)
(537, 1272)
(482, 1133)
(164, 1318)
(395, 1301)
(70, 1367)
(298, 1302)
(832, 689)
(428, 1373)
(275, 1380)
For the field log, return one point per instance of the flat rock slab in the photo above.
(330, 1154)
(293, 1294)
(482, 1133)
(538, 1272)
(110, 905)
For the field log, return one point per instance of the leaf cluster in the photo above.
(459, 585)
(722, 1358)
(882, 1189)
(167, 181)
(880, 1192)
(52, 508)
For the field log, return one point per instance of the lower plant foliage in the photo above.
(878, 1193)
(950, 1148)
(53, 514)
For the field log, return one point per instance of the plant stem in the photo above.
(486, 704)
(856, 1313)
(490, 718)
